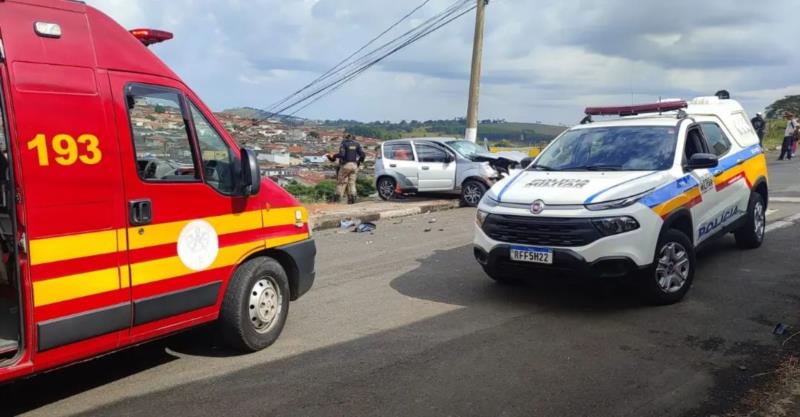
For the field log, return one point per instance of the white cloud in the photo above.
(544, 59)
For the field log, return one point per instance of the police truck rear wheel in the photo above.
(386, 187)
(751, 234)
(669, 278)
(255, 306)
(472, 192)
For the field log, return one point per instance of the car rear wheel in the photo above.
(751, 234)
(255, 306)
(669, 278)
(472, 192)
(386, 188)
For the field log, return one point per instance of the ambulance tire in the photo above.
(242, 325)
(751, 234)
(677, 251)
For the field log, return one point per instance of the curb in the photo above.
(331, 221)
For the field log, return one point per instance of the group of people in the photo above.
(790, 136)
(350, 157)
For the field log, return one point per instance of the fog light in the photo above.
(615, 225)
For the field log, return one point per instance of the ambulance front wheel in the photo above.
(255, 306)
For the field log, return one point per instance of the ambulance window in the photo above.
(160, 135)
(716, 138)
(217, 157)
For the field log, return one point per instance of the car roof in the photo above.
(427, 139)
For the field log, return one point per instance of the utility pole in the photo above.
(475, 78)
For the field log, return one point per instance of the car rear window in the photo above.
(398, 151)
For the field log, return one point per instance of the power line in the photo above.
(337, 85)
(342, 62)
(358, 66)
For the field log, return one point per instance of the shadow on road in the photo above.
(554, 346)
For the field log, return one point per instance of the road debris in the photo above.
(780, 329)
(428, 229)
(365, 228)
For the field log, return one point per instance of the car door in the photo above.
(182, 215)
(437, 167)
(729, 177)
(400, 162)
(703, 203)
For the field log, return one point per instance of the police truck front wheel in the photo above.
(751, 234)
(669, 278)
(255, 306)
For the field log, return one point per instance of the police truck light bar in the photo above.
(151, 36)
(659, 107)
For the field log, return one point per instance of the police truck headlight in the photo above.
(481, 217)
(610, 226)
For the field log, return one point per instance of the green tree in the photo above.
(788, 103)
(160, 109)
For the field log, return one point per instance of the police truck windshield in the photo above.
(635, 148)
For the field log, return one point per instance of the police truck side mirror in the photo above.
(702, 161)
(251, 174)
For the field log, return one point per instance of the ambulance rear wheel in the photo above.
(255, 306)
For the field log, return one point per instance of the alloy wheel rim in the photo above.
(673, 267)
(759, 220)
(265, 305)
(386, 188)
(472, 194)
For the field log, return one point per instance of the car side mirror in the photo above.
(251, 174)
(702, 161)
(450, 158)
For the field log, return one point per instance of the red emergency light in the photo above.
(637, 109)
(151, 36)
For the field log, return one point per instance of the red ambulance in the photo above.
(126, 210)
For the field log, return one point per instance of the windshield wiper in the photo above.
(541, 167)
(594, 168)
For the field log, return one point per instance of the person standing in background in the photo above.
(760, 125)
(350, 158)
(788, 136)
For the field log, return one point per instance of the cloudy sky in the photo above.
(544, 59)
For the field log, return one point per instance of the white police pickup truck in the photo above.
(638, 194)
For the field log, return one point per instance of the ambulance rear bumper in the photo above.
(301, 278)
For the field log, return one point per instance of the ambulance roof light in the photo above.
(634, 110)
(151, 36)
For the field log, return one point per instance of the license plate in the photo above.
(532, 255)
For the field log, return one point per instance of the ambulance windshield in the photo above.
(623, 148)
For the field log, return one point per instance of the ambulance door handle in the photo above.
(140, 212)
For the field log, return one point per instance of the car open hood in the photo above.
(570, 187)
(502, 162)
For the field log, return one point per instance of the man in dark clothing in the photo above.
(350, 157)
(788, 136)
(760, 125)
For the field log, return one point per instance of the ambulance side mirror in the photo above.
(251, 174)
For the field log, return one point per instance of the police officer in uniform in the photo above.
(350, 157)
(760, 125)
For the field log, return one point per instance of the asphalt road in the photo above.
(404, 323)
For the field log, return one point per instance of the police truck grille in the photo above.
(541, 231)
